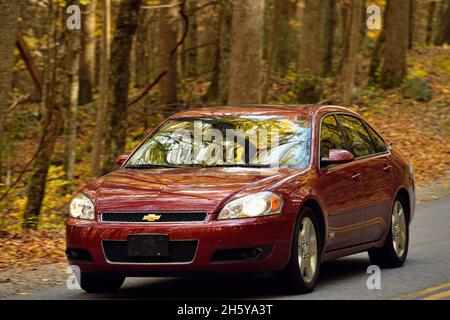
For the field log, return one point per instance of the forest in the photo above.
(83, 81)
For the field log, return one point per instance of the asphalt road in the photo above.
(426, 275)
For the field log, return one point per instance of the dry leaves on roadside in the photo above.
(29, 249)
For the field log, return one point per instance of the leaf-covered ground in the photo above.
(420, 129)
(26, 250)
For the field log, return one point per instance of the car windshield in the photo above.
(227, 141)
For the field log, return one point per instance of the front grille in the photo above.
(138, 217)
(180, 251)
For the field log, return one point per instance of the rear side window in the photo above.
(380, 145)
(358, 139)
(330, 136)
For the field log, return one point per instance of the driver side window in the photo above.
(330, 136)
(357, 136)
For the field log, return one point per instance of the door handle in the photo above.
(387, 168)
(356, 176)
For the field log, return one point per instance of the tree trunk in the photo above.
(9, 13)
(168, 32)
(378, 50)
(226, 22)
(430, 21)
(217, 92)
(351, 59)
(126, 25)
(412, 23)
(330, 27)
(102, 107)
(311, 39)
(280, 45)
(51, 126)
(393, 70)
(311, 62)
(246, 52)
(190, 67)
(142, 45)
(87, 58)
(344, 32)
(72, 100)
(444, 30)
(443, 5)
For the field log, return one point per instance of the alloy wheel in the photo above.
(307, 250)
(398, 225)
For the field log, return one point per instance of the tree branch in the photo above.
(29, 62)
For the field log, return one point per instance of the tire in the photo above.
(98, 284)
(395, 250)
(298, 279)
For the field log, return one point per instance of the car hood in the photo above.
(190, 189)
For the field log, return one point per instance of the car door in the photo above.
(340, 191)
(376, 175)
(379, 188)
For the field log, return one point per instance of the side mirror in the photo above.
(121, 159)
(337, 156)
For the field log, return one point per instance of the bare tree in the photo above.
(351, 59)
(142, 46)
(393, 70)
(311, 62)
(246, 52)
(225, 27)
(51, 125)
(73, 63)
(281, 36)
(190, 57)
(443, 35)
(168, 32)
(311, 38)
(9, 13)
(102, 108)
(411, 23)
(126, 25)
(330, 23)
(88, 47)
(218, 89)
(430, 21)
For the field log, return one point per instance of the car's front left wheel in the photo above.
(97, 284)
(302, 272)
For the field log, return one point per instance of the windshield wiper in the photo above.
(145, 166)
(237, 165)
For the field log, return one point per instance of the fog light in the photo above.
(78, 254)
(250, 253)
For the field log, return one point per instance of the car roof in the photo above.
(260, 109)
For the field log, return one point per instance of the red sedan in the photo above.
(245, 189)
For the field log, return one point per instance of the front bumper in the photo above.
(272, 231)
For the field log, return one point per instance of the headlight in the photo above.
(81, 207)
(411, 170)
(256, 205)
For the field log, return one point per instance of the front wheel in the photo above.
(395, 250)
(302, 272)
(97, 284)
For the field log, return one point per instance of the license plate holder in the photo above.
(148, 245)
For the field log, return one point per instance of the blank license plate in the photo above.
(148, 245)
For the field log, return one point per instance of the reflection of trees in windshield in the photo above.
(228, 140)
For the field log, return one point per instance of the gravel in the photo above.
(19, 281)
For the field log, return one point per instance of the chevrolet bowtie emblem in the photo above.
(151, 217)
